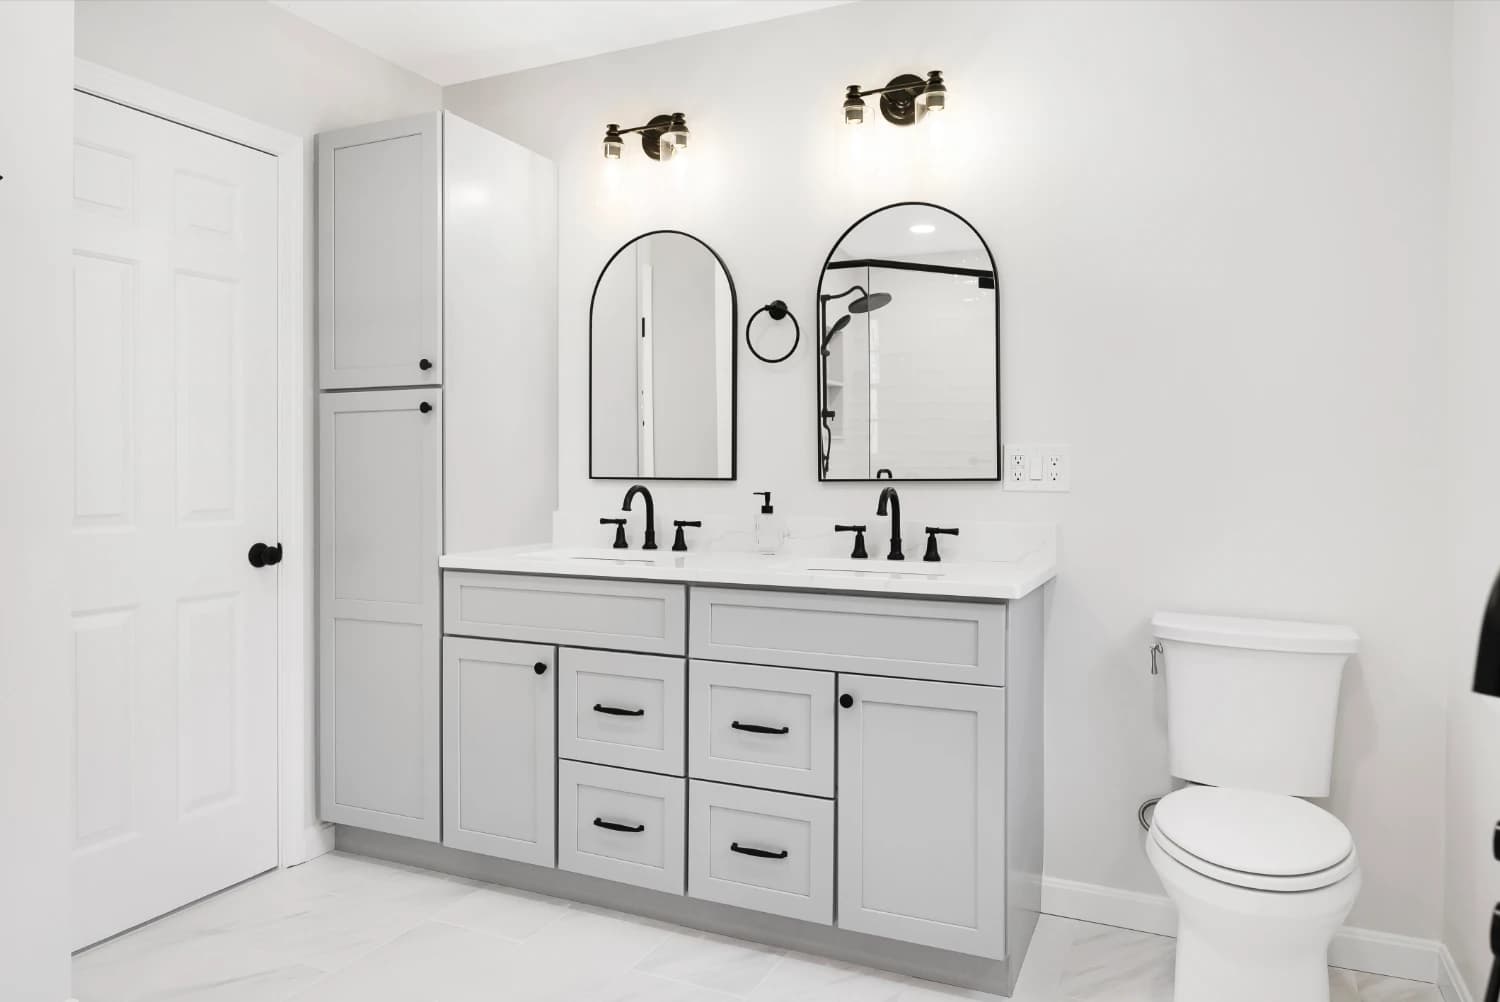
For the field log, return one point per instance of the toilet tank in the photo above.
(1252, 703)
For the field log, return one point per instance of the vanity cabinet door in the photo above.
(379, 537)
(499, 727)
(380, 277)
(921, 811)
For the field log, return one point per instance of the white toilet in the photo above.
(1261, 879)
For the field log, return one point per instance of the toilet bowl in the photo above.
(1261, 882)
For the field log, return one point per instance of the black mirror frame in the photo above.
(818, 362)
(734, 363)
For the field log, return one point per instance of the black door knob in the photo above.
(846, 701)
(262, 555)
(540, 667)
(425, 364)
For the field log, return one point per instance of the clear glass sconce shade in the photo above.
(854, 106)
(613, 144)
(934, 96)
(676, 136)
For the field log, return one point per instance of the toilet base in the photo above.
(1240, 945)
(1204, 972)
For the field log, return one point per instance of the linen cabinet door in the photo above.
(380, 310)
(378, 622)
(499, 723)
(921, 810)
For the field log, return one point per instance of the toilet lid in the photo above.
(1251, 834)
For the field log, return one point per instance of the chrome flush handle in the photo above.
(1156, 652)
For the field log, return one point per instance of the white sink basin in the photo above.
(619, 558)
(878, 569)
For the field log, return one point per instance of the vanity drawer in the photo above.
(772, 852)
(621, 825)
(577, 612)
(907, 638)
(621, 709)
(767, 727)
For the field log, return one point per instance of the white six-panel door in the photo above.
(173, 632)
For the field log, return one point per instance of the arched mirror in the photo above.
(662, 363)
(909, 350)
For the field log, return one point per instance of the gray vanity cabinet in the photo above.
(868, 763)
(378, 588)
(499, 727)
(921, 809)
(380, 264)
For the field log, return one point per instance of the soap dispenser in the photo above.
(770, 531)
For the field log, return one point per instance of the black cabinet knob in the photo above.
(425, 364)
(263, 555)
(424, 407)
(540, 667)
(846, 701)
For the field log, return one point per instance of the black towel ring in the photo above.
(778, 311)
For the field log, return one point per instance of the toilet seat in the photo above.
(1259, 841)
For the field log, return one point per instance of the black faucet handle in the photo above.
(679, 543)
(619, 524)
(859, 540)
(931, 556)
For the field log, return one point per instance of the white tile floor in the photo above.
(347, 929)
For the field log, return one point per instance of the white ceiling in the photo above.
(450, 41)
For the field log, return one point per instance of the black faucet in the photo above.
(889, 496)
(650, 543)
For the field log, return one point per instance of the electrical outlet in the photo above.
(1055, 469)
(1016, 465)
(1038, 468)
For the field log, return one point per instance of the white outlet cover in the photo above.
(1054, 461)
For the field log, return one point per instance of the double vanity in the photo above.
(849, 744)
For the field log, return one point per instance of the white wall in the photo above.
(36, 162)
(1473, 877)
(256, 60)
(1220, 236)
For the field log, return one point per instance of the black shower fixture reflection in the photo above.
(865, 302)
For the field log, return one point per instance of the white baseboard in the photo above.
(1450, 979)
(317, 840)
(1355, 949)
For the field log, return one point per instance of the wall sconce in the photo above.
(902, 101)
(662, 138)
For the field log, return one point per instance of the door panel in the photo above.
(379, 254)
(174, 633)
(921, 805)
(499, 764)
(379, 673)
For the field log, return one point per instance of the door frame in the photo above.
(300, 834)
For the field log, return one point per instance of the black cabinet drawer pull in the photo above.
(759, 728)
(614, 827)
(745, 850)
(618, 711)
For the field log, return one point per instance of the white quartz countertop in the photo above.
(991, 580)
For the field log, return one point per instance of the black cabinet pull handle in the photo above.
(540, 667)
(425, 364)
(616, 827)
(263, 555)
(746, 850)
(618, 711)
(846, 701)
(424, 407)
(759, 728)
